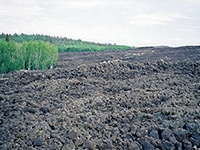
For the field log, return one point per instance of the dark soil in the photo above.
(147, 98)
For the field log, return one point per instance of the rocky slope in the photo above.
(117, 104)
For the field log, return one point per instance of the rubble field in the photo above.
(146, 98)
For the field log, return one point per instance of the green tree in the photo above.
(28, 55)
(66, 44)
(7, 38)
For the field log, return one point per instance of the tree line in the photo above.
(30, 55)
(65, 44)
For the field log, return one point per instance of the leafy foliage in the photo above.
(27, 55)
(66, 44)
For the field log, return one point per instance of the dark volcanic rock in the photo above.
(166, 134)
(89, 144)
(154, 134)
(32, 110)
(146, 144)
(187, 144)
(134, 146)
(195, 142)
(191, 127)
(78, 142)
(95, 101)
(44, 109)
(38, 141)
(128, 136)
(168, 146)
(72, 135)
(196, 134)
(26, 109)
(181, 134)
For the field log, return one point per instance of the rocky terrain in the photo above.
(146, 98)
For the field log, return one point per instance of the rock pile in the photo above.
(109, 105)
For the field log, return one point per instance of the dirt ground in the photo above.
(146, 98)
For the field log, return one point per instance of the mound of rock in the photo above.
(108, 105)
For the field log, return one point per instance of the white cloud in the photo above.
(85, 4)
(19, 9)
(154, 19)
(132, 22)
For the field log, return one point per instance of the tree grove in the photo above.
(27, 55)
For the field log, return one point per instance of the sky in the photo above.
(124, 22)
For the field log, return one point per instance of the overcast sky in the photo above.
(127, 22)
